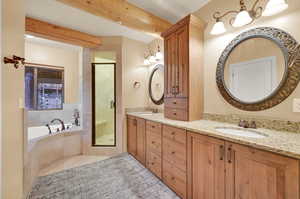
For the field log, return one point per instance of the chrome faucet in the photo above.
(61, 122)
(49, 129)
(245, 124)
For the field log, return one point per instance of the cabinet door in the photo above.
(170, 65)
(132, 135)
(182, 69)
(141, 140)
(206, 167)
(255, 174)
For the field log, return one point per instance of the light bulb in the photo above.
(159, 55)
(242, 18)
(146, 62)
(29, 36)
(274, 7)
(218, 28)
(152, 59)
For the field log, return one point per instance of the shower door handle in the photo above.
(112, 104)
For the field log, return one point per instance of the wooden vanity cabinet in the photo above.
(154, 148)
(252, 173)
(136, 138)
(174, 159)
(215, 165)
(206, 167)
(196, 166)
(183, 44)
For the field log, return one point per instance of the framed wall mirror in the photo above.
(259, 69)
(156, 85)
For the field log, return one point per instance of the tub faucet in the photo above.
(48, 126)
(61, 122)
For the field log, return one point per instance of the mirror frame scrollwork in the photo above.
(155, 101)
(291, 51)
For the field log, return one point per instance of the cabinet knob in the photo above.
(153, 142)
(174, 102)
(230, 151)
(172, 178)
(174, 113)
(173, 133)
(173, 152)
(222, 152)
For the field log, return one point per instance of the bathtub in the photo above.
(39, 132)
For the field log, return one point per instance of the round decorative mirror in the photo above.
(259, 69)
(156, 85)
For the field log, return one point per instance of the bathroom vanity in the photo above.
(197, 161)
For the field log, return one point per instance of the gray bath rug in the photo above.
(120, 177)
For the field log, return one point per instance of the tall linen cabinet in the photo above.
(183, 44)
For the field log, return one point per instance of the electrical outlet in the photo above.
(296, 105)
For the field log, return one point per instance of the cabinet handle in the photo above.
(177, 90)
(174, 102)
(173, 152)
(173, 90)
(229, 155)
(222, 152)
(153, 142)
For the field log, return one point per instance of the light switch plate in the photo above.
(296, 105)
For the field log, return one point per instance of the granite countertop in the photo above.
(284, 143)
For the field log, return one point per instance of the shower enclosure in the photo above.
(104, 104)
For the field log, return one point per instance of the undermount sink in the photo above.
(144, 113)
(240, 132)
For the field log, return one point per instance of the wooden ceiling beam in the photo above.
(124, 13)
(58, 33)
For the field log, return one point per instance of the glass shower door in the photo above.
(104, 104)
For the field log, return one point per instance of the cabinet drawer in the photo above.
(181, 103)
(176, 114)
(153, 127)
(175, 134)
(154, 163)
(153, 142)
(175, 153)
(175, 179)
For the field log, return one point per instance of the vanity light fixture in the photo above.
(153, 58)
(218, 28)
(146, 62)
(274, 7)
(158, 55)
(245, 16)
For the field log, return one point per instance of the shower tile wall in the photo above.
(41, 118)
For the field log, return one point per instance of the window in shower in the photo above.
(104, 104)
(44, 88)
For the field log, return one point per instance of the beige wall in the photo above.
(214, 45)
(67, 57)
(134, 71)
(13, 23)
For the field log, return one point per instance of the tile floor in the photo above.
(71, 162)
